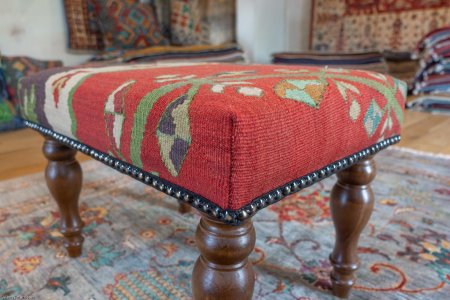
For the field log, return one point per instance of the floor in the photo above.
(20, 151)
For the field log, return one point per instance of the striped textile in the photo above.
(434, 74)
(202, 53)
(438, 104)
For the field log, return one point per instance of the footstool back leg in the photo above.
(183, 208)
(352, 203)
(223, 270)
(63, 175)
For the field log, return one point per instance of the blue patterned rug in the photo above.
(138, 247)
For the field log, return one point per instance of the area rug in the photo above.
(138, 246)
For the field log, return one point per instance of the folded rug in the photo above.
(201, 53)
(436, 104)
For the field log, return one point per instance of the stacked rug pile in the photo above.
(432, 82)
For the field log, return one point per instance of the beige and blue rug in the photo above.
(138, 247)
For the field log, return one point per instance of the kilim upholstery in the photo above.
(226, 139)
(227, 134)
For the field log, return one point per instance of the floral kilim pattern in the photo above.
(404, 251)
(209, 127)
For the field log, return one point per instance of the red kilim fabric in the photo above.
(229, 133)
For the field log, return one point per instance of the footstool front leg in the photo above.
(223, 270)
(63, 175)
(352, 203)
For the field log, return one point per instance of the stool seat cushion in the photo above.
(227, 133)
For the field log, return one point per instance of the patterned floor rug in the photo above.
(138, 247)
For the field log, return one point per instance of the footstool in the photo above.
(228, 140)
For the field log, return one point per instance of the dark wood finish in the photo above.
(352, 203)
(183, 208)
(64, 177)
(223, 270)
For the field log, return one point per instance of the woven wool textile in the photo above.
(84, 31)
(197, 22)
(352, 25)
(219, 129)
(162, 9)
(128, 24)
(197, 53)
(12, 70)
(137, 246)
(6, 107)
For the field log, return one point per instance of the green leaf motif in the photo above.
(308, 91)
(104, 255)
(344, 87)
(29, 104)
(6, 114)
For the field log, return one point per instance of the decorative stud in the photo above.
(302, 183)
(216, 212)
(286, 190)
(187, 198)
(278, 195)
(322, 173)
(169, 190)
(260, 203)
(226, 216)
(250, 209)
(242, 215)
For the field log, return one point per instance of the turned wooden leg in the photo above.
(223, 270)
(183, 208)
(64, 176)
(351, 206)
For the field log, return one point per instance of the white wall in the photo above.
(268, 26)
(36, 28)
